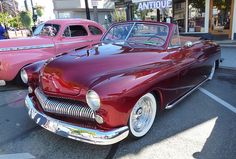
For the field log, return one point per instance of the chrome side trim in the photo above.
(171, 105)
(68, 130)
(26, 47)
(73, 42)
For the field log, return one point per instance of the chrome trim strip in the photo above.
(171, 105)
(26, 47)
(72, 42)
(173, 47)
(71, 131)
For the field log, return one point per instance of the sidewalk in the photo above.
(228, 54)
(227, 43)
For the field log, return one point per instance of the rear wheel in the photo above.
(142, 116)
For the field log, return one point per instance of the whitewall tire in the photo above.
(212, 71)
(142, 116)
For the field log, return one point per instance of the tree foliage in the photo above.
(39, 10)
(119, 15)
(4, 18)
(26, 19)
(10, 21)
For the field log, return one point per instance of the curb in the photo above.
(228, 68)
(228, 45)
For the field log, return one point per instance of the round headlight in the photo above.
(93, 100)
(24, 76)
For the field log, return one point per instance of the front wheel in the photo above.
(212, 71)
(19, 81)
(142, 116)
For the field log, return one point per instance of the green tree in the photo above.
(39, 10)
(4, 18)
(26, 19)
(119, 15)
(15, 22)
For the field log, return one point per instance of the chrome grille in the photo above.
(72, 109)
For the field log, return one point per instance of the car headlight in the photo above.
(24, 76)
(93, 100)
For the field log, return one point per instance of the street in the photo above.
(198, 127)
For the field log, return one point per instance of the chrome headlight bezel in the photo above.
(24, 76)
(93, 100)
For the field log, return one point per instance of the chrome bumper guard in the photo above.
(71, 131)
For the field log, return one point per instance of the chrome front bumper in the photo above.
(71, 131)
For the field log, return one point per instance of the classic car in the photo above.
(116, 89)
(49, 39)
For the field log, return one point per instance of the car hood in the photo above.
(77, 72)
(25, 43)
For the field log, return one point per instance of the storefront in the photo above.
(217, 17)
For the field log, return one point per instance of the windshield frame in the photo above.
(134, 23)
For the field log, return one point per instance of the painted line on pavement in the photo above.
(219, 100)
(17, 156)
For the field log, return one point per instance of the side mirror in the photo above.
(188, 44)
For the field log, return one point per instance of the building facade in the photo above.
(217, 17)
(100, 10)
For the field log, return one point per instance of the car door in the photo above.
(185, 60)
(95, 33)
(74, 37)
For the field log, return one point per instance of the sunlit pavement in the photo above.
(198, 127)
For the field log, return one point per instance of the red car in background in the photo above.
(115, 89)
(50, 39)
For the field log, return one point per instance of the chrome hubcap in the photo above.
(142, 114)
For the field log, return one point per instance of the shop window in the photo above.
(64, 15)
(196, 17)
(94, 30)
(179, 13)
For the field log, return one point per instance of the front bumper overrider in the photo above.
(65, 129)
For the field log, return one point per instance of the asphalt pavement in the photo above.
(200, 127)
(228, 56)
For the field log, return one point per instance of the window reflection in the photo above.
(196, 20)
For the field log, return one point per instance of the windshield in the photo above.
(139, 33)
(47, 30)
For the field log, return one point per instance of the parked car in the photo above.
(119, 86)
(50, 39)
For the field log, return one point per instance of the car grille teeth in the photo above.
(64, 108)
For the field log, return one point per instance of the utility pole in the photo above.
(14, 6)
(26, 5)
(1, 6)
(86, 9)
(35, 17)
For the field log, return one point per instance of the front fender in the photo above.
(33, 72)
(119, 94)
(12, 62)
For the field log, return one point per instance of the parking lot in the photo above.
(202, 126)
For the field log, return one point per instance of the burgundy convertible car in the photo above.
(118, 87)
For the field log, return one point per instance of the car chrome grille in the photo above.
(72, 109)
